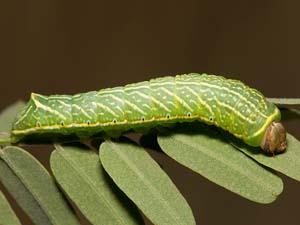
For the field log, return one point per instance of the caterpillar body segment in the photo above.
(215, 100)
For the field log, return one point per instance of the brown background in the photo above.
(76, 46)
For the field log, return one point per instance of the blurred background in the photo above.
(66, 47)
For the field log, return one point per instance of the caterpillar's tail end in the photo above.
(274, 140)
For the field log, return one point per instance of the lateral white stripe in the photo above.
(152, 99)
(228, 90)
(46, 108)
(135, 107)
(82, 110)
(107, 109)
(24, 115)
(180, 100)
(199, 99)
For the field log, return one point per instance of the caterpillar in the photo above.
(214, 100)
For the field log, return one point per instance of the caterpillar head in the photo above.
(274, 140)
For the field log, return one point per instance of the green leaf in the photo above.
(79, 172)
(7, 215)
(287, 163)
(143, 181)
(285, 101)
(33, 188)
(8, 115)
(205, 153)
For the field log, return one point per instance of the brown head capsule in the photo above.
(274, 140)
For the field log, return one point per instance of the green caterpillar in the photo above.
(226, 103)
